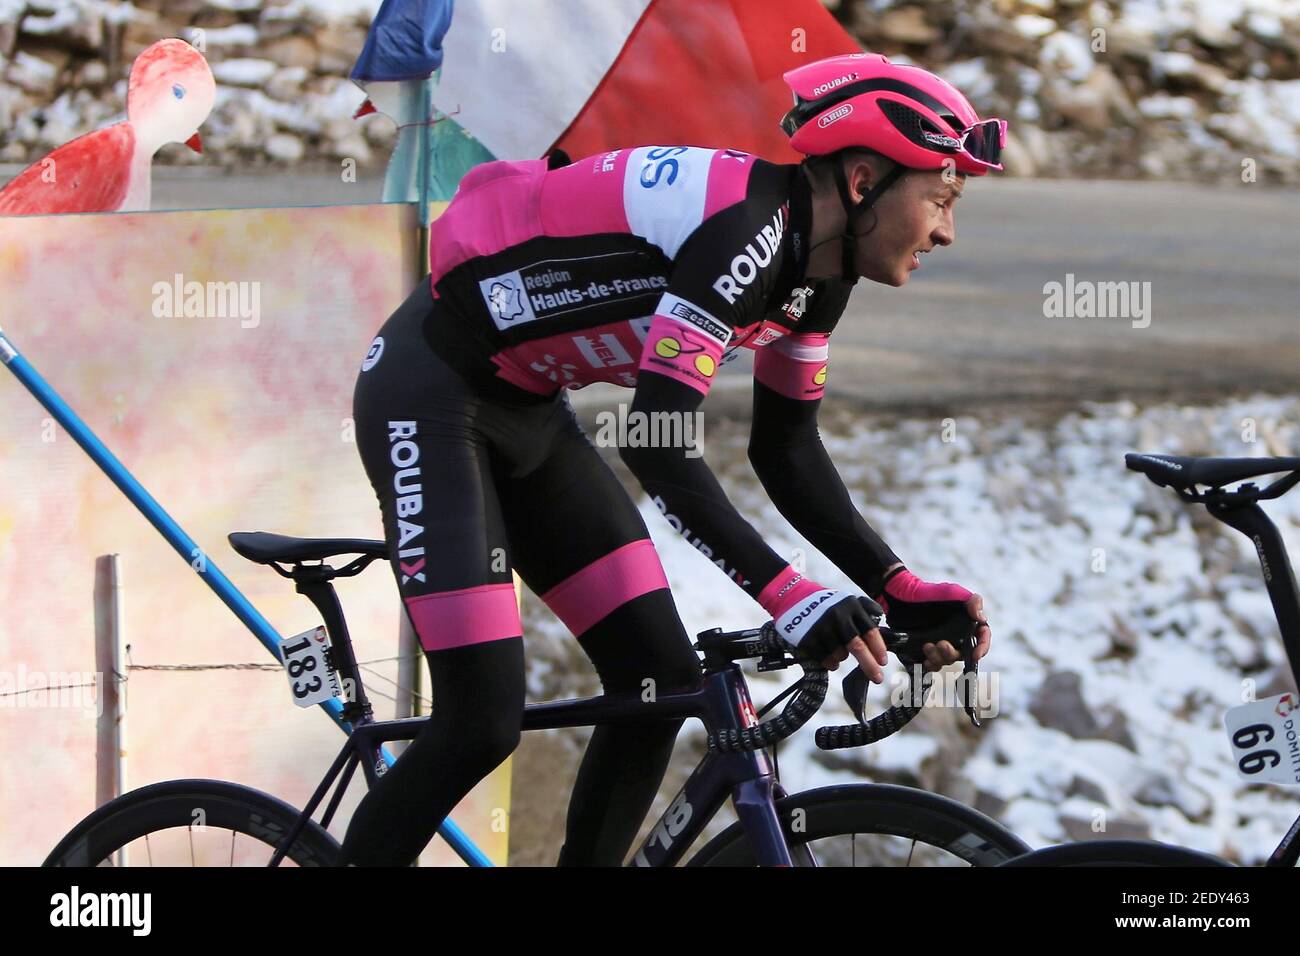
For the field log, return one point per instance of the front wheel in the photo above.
(1117, 853)
(874, 825)
(192, 823)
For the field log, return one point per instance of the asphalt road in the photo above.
(1223, 267)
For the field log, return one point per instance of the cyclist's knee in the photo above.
(677, 673)
(494, 743)
(476, 739)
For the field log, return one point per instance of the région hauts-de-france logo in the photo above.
(506, 300)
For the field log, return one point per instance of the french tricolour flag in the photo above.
(589, 75)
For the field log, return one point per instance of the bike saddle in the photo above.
(265, 548)
(1183, 472)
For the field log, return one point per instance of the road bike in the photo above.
(848, 824)
(1257, 746)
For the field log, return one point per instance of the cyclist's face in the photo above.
(913, 216)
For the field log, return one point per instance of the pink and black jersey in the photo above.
(647, 268)
(669, 258)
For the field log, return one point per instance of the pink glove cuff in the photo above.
(906, 586)
(786, 590)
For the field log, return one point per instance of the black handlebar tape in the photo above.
(805, 703)
(859, 735)
(879, 727)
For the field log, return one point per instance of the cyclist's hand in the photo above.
(829, 625)
(913, 604)
(869, 650)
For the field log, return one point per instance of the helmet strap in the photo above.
(849, 241)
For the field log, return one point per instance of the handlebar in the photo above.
(773, 653)
(907, 647)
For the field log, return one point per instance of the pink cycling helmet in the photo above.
(904, 112)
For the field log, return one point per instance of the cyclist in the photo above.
(645, 267)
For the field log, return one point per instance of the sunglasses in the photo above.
(983, 142)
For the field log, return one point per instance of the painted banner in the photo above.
(215, 353)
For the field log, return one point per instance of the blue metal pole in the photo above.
(187, 549)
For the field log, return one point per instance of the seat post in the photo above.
(313, 581)
(1279, 578)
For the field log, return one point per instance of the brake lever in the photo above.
(970, 674)
(907, 648)
(855, 686)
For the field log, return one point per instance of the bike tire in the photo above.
(1116, 853)
(876, 809)
(164, 806)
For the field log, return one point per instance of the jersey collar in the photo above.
(800, 224)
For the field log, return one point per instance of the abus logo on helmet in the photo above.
(758, 253)
(838, 81)
(835, 115)
(938, 139)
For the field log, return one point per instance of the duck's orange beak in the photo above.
(365, 109)
(195, 143)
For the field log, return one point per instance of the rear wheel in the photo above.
(192, 823)
(874, 825)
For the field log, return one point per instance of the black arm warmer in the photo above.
(687, 493)
(795, 469)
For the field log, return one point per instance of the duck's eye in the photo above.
(178, 91)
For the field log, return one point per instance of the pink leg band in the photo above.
(585, 597)
(475, 615)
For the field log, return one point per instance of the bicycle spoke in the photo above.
(911, 851)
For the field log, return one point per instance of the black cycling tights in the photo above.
(469, 487)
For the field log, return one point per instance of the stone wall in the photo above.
(1122, 88)
(281, 68)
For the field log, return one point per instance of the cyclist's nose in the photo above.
(945, 234)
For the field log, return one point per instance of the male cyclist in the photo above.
(648, 268)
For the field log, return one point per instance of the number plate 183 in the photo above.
(311, 679)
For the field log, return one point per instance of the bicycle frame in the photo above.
(1279, 579)
(722, 702)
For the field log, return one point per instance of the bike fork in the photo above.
(754, 804)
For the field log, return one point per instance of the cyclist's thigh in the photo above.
(579, 542)
(418, 434)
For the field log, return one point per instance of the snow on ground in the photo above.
(1085, 567)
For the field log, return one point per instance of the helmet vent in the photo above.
(910, 123)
